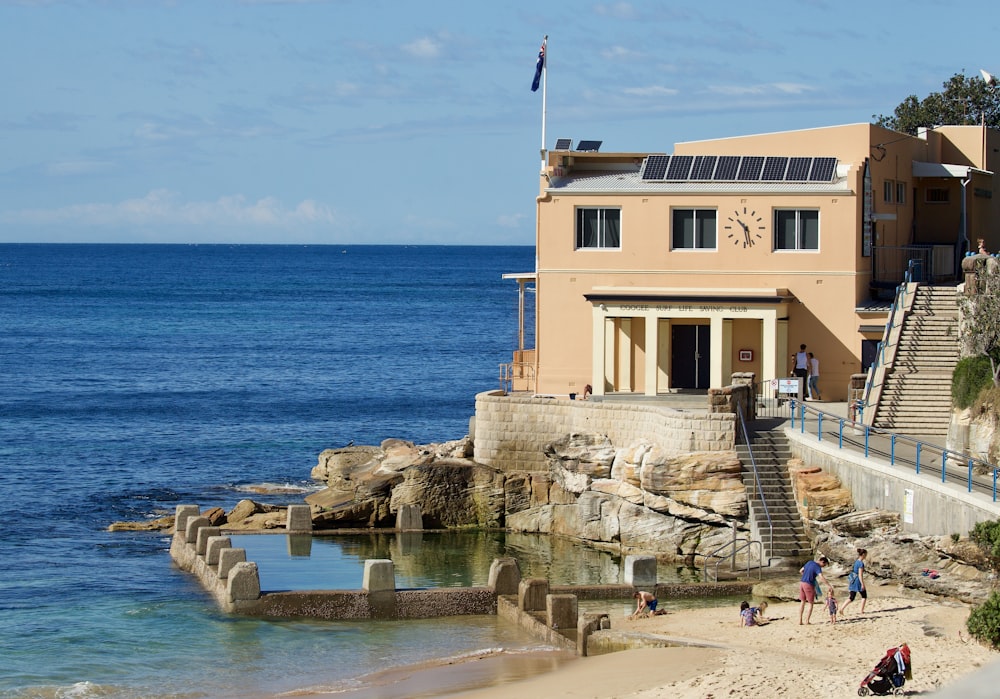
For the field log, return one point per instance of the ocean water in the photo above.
(137, 377)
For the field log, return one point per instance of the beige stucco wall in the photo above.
(581, 341)
(511, 431)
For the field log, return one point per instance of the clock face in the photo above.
(745, 227)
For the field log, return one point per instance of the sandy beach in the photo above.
(781, 658)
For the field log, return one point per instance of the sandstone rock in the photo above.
(336, 465)
(864, 522)
(243, 509)
(149, 525)
(818, 495)
(216, 516)
(582, 453)
(453, 493)
(628, 462)
(710, 481)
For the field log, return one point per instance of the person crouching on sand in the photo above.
(646, 604)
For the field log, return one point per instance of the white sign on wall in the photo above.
(908, 506)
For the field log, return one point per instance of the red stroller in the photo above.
(890, 674)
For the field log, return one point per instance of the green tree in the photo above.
(964, 101)
(979, 316)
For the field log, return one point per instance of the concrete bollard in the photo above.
(201, 543)
(640, 571)
(505, 576)
(182, 514)
(531, 594)
(229, 558)
(299, 518)
(380, 576)
(192, 527)
(587, 624)
(214, 546)
(409, 518)
(561, 611)
(244, 582)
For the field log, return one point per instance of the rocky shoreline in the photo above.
(635, 499)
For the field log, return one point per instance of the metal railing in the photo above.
(901, 450)
(734, 547)
(756, 479)
(511, 372)
(882, 355)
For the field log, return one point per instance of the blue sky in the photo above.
(376, 121)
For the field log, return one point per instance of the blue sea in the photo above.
(137, 377)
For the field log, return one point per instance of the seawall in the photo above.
(511, 431)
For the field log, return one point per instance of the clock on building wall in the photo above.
(745, 227)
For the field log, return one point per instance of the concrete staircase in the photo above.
(786, 538)
(916, 391)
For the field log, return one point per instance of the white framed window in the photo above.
(796, 229)
(694, 229)
(936, 195)
(900, 192)
(598, 228)
(887, 188)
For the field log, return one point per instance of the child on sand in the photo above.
(646, 605)
(831, 606)
(747, 617)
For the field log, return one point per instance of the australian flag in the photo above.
(539, 67)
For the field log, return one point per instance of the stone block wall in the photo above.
(512, 431)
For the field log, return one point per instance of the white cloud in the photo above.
(619, 10)
(425, 47)
(76, 167)
(163, 207)
(650, 91)
(761, 89)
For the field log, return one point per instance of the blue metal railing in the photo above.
(873, 441)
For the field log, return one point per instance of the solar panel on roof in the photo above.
(774, 168)
(750, 168)
(727, 167)
(564, 144)
(703, 167)
(656, 167)
(798, 169)
(680, 166)
(822, 169)
(589, 145)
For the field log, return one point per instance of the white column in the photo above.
(652, 350)
(716, 345)
(769, 359)
(625, 372)
(598, 349)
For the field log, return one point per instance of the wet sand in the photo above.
(781, 658)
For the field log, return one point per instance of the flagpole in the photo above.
(545, 78)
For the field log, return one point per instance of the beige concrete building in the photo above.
(660, 271)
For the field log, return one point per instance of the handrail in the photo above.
(986, 484)
(756, 478)
(737, 544)
(509, 371)
(878, 367)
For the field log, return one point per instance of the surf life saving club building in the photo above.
(657, 272)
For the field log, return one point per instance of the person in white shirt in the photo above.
(814, 378)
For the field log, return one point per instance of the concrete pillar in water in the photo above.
(214, 546)
(201, 543)
(192, 527)
(640, 571)
(380, 584)
(182, 514)
(505, 576)
(244, 582)
(299, 518)
(531, 594)
(228, 558)
(561, 611)
(409, 517)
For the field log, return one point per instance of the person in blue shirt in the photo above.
(856, 582)
(807, 585)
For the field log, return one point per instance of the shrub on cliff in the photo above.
(971, 376)
(984, 621)
(986, 535)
